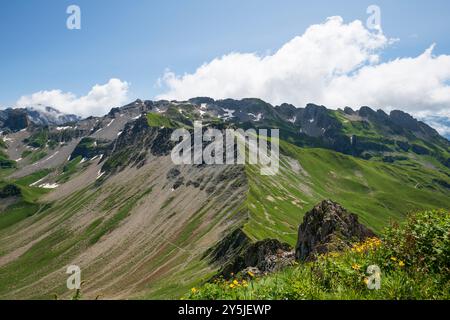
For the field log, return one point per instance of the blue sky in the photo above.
(137, 40)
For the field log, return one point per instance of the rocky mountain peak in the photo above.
(326, 228)
(49, 116)
(348, 110)
(405, 120)
(20, 118)
(367, 112)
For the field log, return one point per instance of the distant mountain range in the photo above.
(51, 116)
(14, 119)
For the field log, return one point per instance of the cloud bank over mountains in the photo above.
(336, 64)
(98, 101)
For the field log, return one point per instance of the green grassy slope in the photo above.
(157, 120)
(378, 192)
(27, 203)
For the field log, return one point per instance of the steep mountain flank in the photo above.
(132, 235)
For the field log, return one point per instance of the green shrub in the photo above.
(7, 164)
(422, 242)
(9, 190)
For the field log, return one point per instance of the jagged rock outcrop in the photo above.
(328, 227)
(237, 255)
(268, 255)
(272, 261)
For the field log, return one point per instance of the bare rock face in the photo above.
(15, 119)
(237, 254)
(326, 228)
(268, 255)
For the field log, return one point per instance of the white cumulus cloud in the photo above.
(98, 101)
(335, 63)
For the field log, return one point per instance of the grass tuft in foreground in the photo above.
(414, 260)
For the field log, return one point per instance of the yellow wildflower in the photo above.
(231, 285)
(235, 282)
(356, 266)
(393, 258)
(369, 244)
(251, 274)
(366, 281)
(401, 264)
(194, 290)
(334, 254)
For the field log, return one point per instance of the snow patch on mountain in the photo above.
(41, 115)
